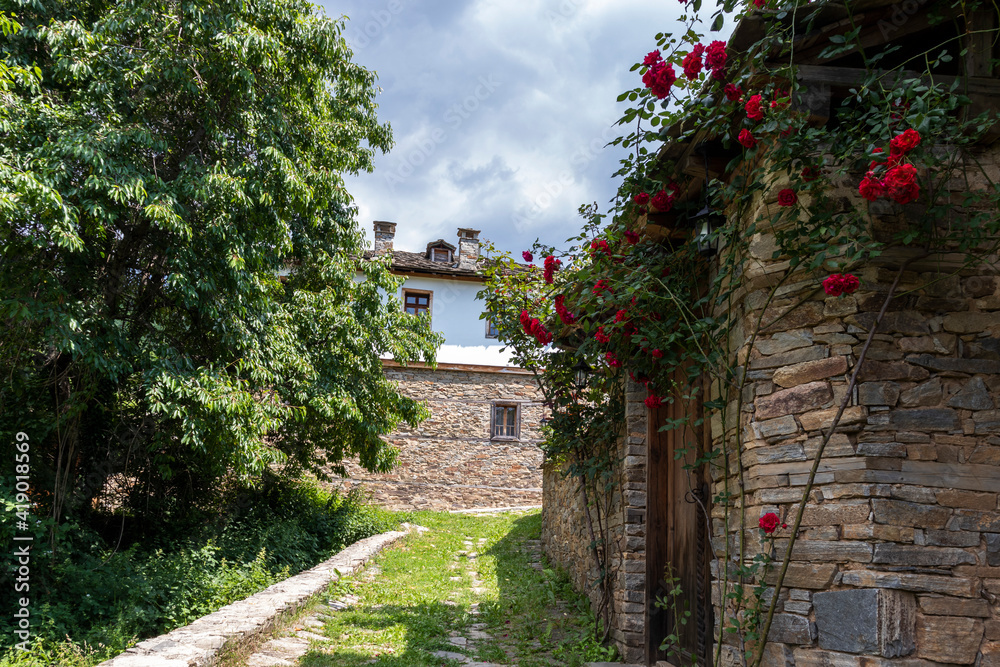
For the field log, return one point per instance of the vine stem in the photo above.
(819, 455)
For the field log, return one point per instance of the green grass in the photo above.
(407, 610)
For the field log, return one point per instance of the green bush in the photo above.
(90, 602)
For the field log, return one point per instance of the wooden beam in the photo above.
(849, 77)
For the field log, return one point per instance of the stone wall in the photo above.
(450, 460)
(566, 537)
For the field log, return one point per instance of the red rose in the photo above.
(653, 401)
(528, 257)
(769, 522)
(838, 284)
(753, 108)
(657, 354)
(692, 62)
(901, 183)
(903, 143)
(787, 197)
(652, 58)
(551, 266)
(600, 286)
(810, 174)
(632, 237)
(659, 78)
(747, 139)
(612, 359)
(871, 188)
(600, 336)
(733, 93)
(563, 312)
(641, 199)
(715, 55)
(663, 201)
(526, 321)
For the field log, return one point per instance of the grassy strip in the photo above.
(422, 593)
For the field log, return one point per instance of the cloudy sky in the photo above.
(500, 110)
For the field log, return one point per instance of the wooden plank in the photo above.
(848, 77)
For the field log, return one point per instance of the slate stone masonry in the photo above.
(450, 460)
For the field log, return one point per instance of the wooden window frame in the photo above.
(490, 326)
(420, 292)
(447, 255)
(517, 420)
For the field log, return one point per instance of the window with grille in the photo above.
(506, 420)
(416, 303)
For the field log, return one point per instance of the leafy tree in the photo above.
(158, 171)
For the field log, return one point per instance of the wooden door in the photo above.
(677, 498)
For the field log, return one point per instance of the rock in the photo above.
(951, 538)
(830, 551)
(886, 449)
(964, 323)
(908, 323)
(983, 348)
(955, 365)
(770, 428)
(990, 652)
(793, 401)
(840, 306)
(880, 350)
(941, 305)
(920, 583)
(874, 371)
(936, 605)
(805, 575)
(917, 556)
(969, 500)
(836, 514)
(925, 419)
(784, 341)
(872, 621)
(928, 393)
(903, 513)
(810, 371)
(986, 421)
(973, 396)
(791, 629)
(949, 638)
(979, 286)
(813, 421)
(942, 343)
(792, 316)
(789, 358)
(992, 549)
(985, 522)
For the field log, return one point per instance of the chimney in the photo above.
(385, 232)
(468, 248)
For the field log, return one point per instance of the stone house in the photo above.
(897, 560)
(479, 448)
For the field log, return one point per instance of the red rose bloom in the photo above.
(527, 256)
(901, 183)
(653, 401)
(810, 174)
(600, 336)
(787, 197)
(838, 284)
(525, 321)
(641, 199)
(663, 201)
(621, 315)
(753, 108)
(659, 78)
(632, 237)
(612, 359)
(599, 245)
(871, 188)
(715, 55)
(759, 3)
(747, 139)
(657, 354)
(903, 143)
(769, 522)
(563, 312)
(733, 93)
(600, 286)
(692, 62)
(551, 266)
(652, 58)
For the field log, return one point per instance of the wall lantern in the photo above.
(705, 223)
(581, 374)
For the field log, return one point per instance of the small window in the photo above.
(440, 255)
(416, 303)
(491, 328)
(506, 421)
